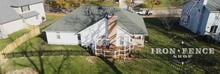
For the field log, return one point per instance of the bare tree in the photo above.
(24, 51)
(129, 3)
(168, 18)
(154, 2)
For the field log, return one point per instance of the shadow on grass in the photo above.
(111, 64)
(46, 53)
(208, 63)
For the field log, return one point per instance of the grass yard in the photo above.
(12, 37)
(159, 37)
(92, 64)
(144, 62)
(73, 65)
(50, 20)
(165, 3)
(104, 3)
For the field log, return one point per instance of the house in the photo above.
(103, 29)
(202, 17)
(17, 14)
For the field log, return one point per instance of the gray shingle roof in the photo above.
(85, 16)
(7, 14)
(24, 2)
(213, 5)
(29, 14)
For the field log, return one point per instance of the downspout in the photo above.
(106, 28)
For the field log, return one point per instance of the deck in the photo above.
(117, 52)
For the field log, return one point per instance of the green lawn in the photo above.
(73, 65)
(159, 37)
(104, 3)
(12, 37)
(50, 20)
(91, 64)
(165, 3)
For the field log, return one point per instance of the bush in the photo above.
(142, 6)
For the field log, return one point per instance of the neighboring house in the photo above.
(202, 17)
(17, 14)
(100, 28)
(32, 11)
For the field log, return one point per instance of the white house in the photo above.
(32, 11)
(202, 17)
(17, 14)
(99, 28)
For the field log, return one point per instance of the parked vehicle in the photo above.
(143, 12)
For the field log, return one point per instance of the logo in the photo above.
(183, 52)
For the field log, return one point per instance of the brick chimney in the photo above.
(112, 29)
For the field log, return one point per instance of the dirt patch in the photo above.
(23, 71)
(91, 60)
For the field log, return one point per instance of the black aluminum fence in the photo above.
(46, 53)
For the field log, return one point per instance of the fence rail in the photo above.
(46, 53)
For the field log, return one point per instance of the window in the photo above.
(79, 36)
(213, 29)
(25, 8)
(121, 40)
(58, 35)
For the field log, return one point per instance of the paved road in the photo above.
(158, 13)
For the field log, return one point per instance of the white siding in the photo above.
(122, 34)
(205, 2)
(66, 38)
(39, 7)
(2, 33)
(213, 21)
(36, 20)
(139, 42)
(13, 26)
(93, 32)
